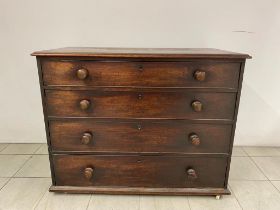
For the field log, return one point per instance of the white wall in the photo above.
(30, 25)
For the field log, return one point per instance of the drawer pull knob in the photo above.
(197, 106)
(82, 73)
(88, 173)
(84, 104)
(191, 174)
(199, 75)
(194, 139)
(86, 138)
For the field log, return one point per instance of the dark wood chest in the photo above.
(140, 121)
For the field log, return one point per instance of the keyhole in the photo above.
(140, 68)
(139, 127)
(140, 96)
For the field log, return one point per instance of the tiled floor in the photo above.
(25, 179)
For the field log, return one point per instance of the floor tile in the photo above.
(10, 164)
(262, 151)
(243, 168)
(3, 181)
(36, 166)
(43, 150)
(55, 201)
(276, 184)
(238, 152)
(164, 203)
(256, 195)
(23, 193)
(3, 146)
(270, 166)
(114, 202)
(227, 202)
(20, 149)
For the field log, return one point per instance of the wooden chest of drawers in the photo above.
(140, 121)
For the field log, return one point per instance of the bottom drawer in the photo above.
(140, 171)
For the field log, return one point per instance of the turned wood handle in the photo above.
(82, 73)
(194, 139)
(88, 172)
(84, 104)
(86, 138)
(191, 174)
(200, 75)
(197, 106)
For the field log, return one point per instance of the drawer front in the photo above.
(146, 136)
(149, 74)
(139, 171)
(181, 105)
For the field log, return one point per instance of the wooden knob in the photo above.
(194, 139)
(82, 73)
(197, 106)
(86, 138)
(191, 174)
(88, 173)
(84, 104)
(199, 75)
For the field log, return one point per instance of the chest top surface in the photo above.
(142, 53)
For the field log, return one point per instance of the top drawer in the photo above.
(139, 74)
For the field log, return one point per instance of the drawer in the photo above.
(139, 171)
(125, 104)
(148, 74)
(144, 136)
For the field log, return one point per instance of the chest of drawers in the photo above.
(140, 121)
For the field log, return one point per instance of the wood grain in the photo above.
(140, 190)
(144, 136)
(150, 105)
(139, 171)
(145, 74)
(142, 53)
